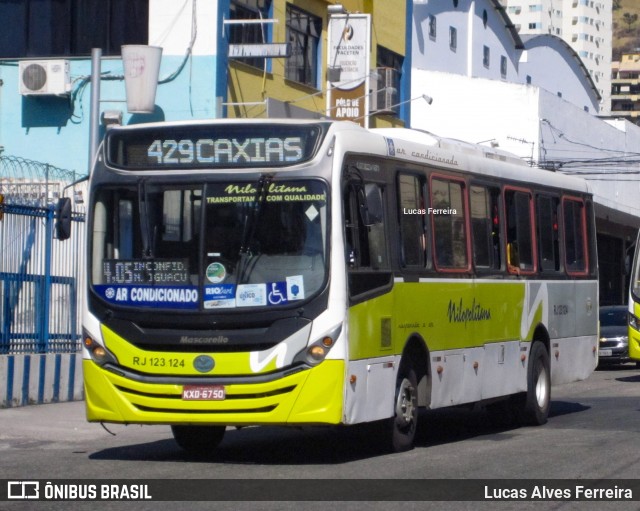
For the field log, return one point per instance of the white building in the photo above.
(586, 25)
(542, 109)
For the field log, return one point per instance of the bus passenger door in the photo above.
(369, 281)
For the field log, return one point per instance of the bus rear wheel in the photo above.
(198, 439)
(533, 405)
(405, 421)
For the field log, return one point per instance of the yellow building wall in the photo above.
(249, 87)
(389, 25)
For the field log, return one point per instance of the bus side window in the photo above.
(574, 235)
(411, 206)
(485, 226)
(496, 228)
(547, 225)
(520, 255)
(350, 228)
(449, 224)
(375, 232)
(366, 245)
(592, 252)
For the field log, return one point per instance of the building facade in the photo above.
(470, 38)
(50, 124)
(220, 58)
(625, 88)
(297, 85)
(586, 25)
(491, 48)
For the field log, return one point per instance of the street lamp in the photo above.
(336, 9)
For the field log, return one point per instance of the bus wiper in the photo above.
(249, 227)
(145, 226)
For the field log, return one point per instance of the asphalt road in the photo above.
(591, 434)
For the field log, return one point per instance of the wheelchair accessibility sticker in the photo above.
(280, 293)
(277, 293)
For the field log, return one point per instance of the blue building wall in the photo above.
(55, 129)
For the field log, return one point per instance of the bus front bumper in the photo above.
(311, 396)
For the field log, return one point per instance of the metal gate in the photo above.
(41, 277)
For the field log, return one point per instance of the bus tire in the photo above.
(533, 405)
(404, 422)
(198, 439)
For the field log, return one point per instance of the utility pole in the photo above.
(94, 118)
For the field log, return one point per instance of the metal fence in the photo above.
(41, 277)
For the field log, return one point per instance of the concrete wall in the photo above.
(37, 379)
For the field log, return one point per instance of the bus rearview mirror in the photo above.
(370, 204)
(63, 219)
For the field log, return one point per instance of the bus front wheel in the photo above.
(198, 439)
(533, 405)
(405, 421)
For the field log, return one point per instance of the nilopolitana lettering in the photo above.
(460, 313)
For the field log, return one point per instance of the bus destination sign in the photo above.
(225, 150)
(212, 146)
(142, 271)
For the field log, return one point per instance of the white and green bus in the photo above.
(633, 255)
(268, 272)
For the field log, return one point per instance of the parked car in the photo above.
(614, 338)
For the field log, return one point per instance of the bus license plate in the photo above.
(203, 393)
(604, 353)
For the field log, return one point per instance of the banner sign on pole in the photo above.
(348, 67)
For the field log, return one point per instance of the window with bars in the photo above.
(303, 34)
(251, 33)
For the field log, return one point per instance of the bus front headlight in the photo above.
(633, 322)
(98, 353)
(318, 350)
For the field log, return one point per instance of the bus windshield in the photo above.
(219, 245)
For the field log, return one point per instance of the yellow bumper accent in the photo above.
(634, 344)
(634, 336)
(312, 396)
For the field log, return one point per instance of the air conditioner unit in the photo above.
(384, 94)
(40, 77)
